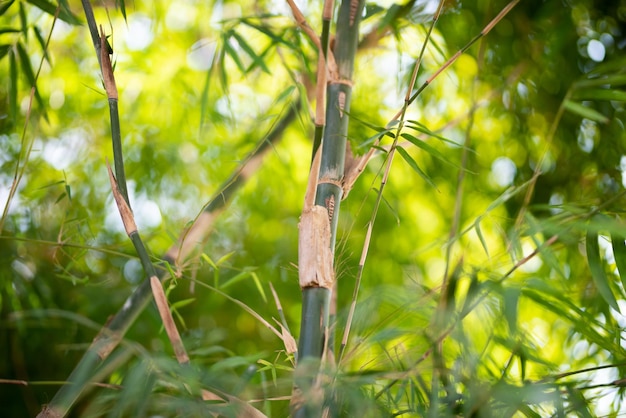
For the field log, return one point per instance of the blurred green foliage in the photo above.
(537, 104)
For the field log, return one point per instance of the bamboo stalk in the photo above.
(112, 333)
(318, 223)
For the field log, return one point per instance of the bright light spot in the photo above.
(188, 153)
(596, 50)
(62, 152)
(179, 16)
(587, 134)
(23, 269)
(200, 55)
(606, 248)
(556, 200)
(534, 263)
(147, 213)
(133, 271)
(622, 167)
(140, 33)
(467, 66)
(503, 171)
(57, 99)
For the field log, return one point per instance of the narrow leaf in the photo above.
(12, 85)
(619, 252)
(611, 80)
(511, 299)
(23, 21)
(426, 147)
(28, 72)
(228, 48)
(258, 285)
(597, 269)
(42, 43)
(121, 4)
(414, 165)
(479, 233)
(600, 94)
(4, 7)
(257, 60)
(64, 14)
(585, 112)
(4, 49)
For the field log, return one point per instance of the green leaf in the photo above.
(23, 20)
(600, 94)
(12, 85)
(426, 147)
(8, 29)
(257, 60)
(228, 48)
(225, 258)
(597, 269)
(611, 80)
(121, 4)
(479, 232)
(4, 49)
(42, 43)
(258, 285)
(27, 69)
(64, 14)
(208, 259)
(182, 303)
(585, 112)
(619, 252)
(235, 279)
(4, 7)
(511, 301)
(414, 165)
(420, 127)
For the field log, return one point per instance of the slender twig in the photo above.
(20, 163)
(383, 181)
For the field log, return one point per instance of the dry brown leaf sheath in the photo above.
(315, 260)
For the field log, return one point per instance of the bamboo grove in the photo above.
(312, 209)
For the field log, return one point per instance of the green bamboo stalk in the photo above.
(328, 166)
(113, 332)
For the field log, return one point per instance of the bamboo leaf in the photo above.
(619, 252)
(182, 303)
(414, 165)
(420, 127)
(4, 49)
(225, 258)
(42, 43)
(611, 80)
(597, 269)
(27, 69)
(121, 4)
(258, 285)
(23, 20)
(511, 300)
(8, 29)
(585, 112)
(600, 94)
(427, 147)
(4, 7)
(256, 60)
(479, 233)
(12, 85)
(235, 279)
(228, 48)
(64, 14)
